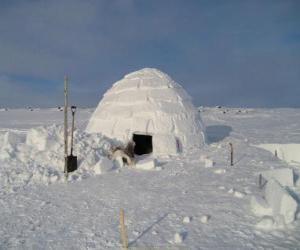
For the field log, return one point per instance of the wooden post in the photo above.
(124, 237)
(231, 154)
(66, 124)
(276, 153)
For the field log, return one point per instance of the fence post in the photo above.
(124, 237)
(231, 154)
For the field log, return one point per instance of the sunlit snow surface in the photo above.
(83, 212)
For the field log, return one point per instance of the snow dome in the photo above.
(151, 109)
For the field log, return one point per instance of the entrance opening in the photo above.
(143, 144)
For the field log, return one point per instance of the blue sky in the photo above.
(234, 53)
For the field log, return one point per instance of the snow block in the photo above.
(284, 176)
(204, 219)
(266, 223)
(103, 166)
(145, 164)
(285, 152)
(209, 163)
(281, 202)
(178, 238)
(259, 206)
(164, 144)
(187, 219)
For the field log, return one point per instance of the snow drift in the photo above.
(37, 156)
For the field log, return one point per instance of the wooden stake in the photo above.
(124, 237)
(231, 154)
(66, 124)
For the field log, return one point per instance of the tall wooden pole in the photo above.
(66, 124)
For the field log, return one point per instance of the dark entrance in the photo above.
(143, 144)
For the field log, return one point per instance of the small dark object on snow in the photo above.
(71, 163)
(71, 159)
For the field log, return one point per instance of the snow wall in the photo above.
(286, 152)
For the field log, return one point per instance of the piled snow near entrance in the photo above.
(37, 157)
(149, 102)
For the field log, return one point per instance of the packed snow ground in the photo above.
(191, 201)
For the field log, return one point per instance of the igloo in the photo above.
(151, 109)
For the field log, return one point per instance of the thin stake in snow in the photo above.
(66, 124)
(231, 154)
(124, 237)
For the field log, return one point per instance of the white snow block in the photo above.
(145, 164)
(103, 166)
(209, 163)
(281, 202)
(178, 238)
(164, 145)
(187, 219)
(284, 176)
(266, 223)
(259, 206)
(285, 152)
(204, 219)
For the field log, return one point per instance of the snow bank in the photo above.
(38, 157)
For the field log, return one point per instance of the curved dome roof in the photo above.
(147, 101)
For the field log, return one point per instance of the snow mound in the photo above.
(38, 157)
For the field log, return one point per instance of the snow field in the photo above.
(85, 214)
